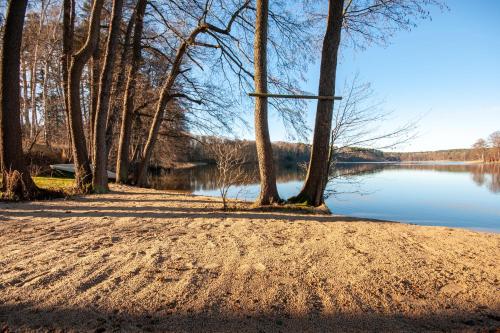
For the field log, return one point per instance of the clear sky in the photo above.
(446, 70)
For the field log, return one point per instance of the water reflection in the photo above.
(204, 178)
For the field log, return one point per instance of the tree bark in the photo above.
(45, 91)
(117, 95)
(122, 162)
(34, 70)
(68, 36)
(10, 126)
(34, 120)
(268, 189)
(313, 190)
(26, 99)
(95, 71)
(100, 175)
(80, 153)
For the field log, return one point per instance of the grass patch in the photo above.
(54, 183)
(51, 182)
(52, 187)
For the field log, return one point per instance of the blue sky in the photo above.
(446, 70)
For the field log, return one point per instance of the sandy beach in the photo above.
(146, 260)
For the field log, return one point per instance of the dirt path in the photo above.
(143, 260)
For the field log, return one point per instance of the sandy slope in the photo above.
(142, 260)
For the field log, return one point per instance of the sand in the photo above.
(145, 260)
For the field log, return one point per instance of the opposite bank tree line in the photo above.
(115, 78)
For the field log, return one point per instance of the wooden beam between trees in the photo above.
(337, 98)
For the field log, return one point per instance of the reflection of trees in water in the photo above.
(204, 177)
(482, 174)
(492, 174)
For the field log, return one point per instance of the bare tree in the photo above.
(230, 161)
(480, 147)
(167, 93)
(317, 173)
(369, 22)
(10, 128)
(94, 80)
(494, 140)
(357, 121)
(122, 162)
(67, 52)
(80, 152)
(364, 22)
(34, 68)
(268, 190)
(26, 99)
(121, 79)
(100, 175)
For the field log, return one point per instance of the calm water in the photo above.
(445, 194)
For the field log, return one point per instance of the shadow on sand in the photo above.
(40, 210)
(20, 317)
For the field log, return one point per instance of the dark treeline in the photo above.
(458, 155)
(283, 152)
(482, 151)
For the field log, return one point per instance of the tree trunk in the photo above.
(10, 126)
(122, 162)
(165, 97)
(117, 95)
(68, 32)
(80, 154)
(100, 176)
(34, 120)
(268, 189)
(317, 173)
(45, 103)
(34, 78)
(26, 99)
(95, 71)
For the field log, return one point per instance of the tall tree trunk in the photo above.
(34, 120)
(100, 176)
(80, 153)
(317, 174)
(26, 99)
(10, 126)
(268, 189)
(85, 104)
(45, 103)
(68, 35)
(114, 107)
(122, 162)
(95, 72)
(142, 170)
(34, 72)
(165, 97)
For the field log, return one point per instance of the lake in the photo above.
(426, 193)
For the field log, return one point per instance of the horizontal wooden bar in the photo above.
(337, 98)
